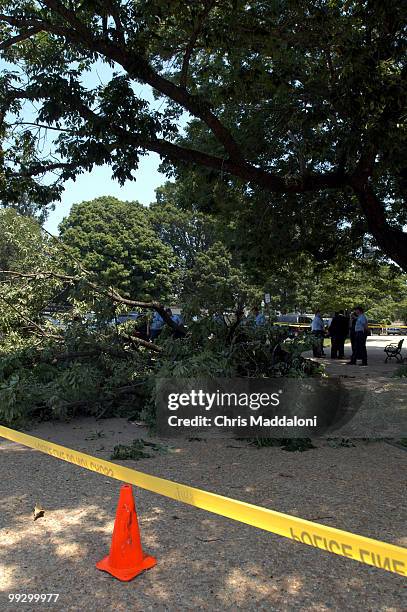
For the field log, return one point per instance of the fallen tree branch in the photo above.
(110, 293)
(39, 275)
(32, 323)
(140, 342)
(84, 354)
(123, 390)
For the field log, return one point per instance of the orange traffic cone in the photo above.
(126, 558)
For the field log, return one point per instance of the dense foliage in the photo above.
(304, 285)
(217, 263)
(99, 373)
(295, 110)
(204, 265)
(116, 240)
(61, 352)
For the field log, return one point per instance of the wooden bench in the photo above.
(394, 350)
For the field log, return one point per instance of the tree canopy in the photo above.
(304, 101)
(116, 240)
(307, 285)
(213, 283)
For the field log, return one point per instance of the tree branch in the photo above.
(37, 327)
(84, 354)
(136, 66)
(41, 24)
(110, 293)
(37, 169)
(140, 342)
(19, 38)
(41, 125)
(234, 165)
(39, 275)
(176, 153)
(23, 22)
(191, 44)
(391, 240)
(239, 169)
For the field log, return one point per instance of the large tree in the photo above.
(289, 97)
(116, 241)
(186, 232)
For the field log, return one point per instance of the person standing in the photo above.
(178, 320)
(317, 330)
(256, 317)
(352, 334)
(334, 332)
(361, 326)
(156, 326)
(260, 319)
(338, 329)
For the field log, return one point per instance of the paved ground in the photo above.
(376, 367)
(376, 401)
(205, 562)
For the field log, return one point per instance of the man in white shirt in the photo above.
(317, 329)
(361, 327)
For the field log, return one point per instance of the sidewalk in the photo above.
(376, 367)
(374, 401)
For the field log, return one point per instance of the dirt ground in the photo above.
(205, 562)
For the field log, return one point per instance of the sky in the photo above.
(99, 182)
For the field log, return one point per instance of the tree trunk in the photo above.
(392, 241)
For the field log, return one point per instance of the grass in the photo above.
(327, 341)
(137, 450)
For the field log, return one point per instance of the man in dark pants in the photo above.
(334, 332)
(338, 330)
(352, 334)
(361, 326)
(343, 331)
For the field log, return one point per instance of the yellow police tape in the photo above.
(371, 325)
(372, 552)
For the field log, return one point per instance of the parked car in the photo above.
(294, 318)
(129, 316)
(396, 331)
(297, 323)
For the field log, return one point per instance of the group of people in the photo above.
(341, 326)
